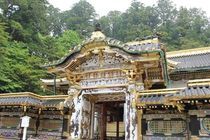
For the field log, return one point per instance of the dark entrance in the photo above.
(109, 121)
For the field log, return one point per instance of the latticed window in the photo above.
(206, 124)
(167, 127)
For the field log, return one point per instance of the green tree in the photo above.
(46, 49)
(25, 18)
(80, 18)
(166, 11)
(4, 36)
(68, 40)
(54, 21)
(111, 23)
(19, 70)
(167, 14)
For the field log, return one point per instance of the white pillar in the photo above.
(24, 133)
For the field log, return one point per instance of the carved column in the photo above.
(127, 116)
(81, 117)
(131, 132)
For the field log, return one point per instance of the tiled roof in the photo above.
(192, 59)
(31, 99)
(52, 103)
(195, 92)
(154, 98)
(143, 47)
(20, 100)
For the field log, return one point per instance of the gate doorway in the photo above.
(109, 121)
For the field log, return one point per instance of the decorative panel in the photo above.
(112, 90)
(205, 125)
(32, 124)
(103, 82)
(163, 138)
(167, 127)
(9, 122)
(51, 125)
(100, 62)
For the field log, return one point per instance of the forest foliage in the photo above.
(33, 32)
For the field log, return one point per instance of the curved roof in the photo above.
(136, 47)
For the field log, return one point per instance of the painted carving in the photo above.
(96, 62)
(80, 119)
(131, 113)
(102, 82)
(75, 117)
(85, 122)
(72, 90)
(104, 90)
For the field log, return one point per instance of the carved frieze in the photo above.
(110, 97)
(103, 74)
(103, 82)
(104, 90)
(101, 61)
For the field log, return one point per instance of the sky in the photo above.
(102, 7)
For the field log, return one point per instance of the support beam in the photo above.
(139, 121)
(63, 117)
(92, 121)
(103, 121)
(117, 121)
(38, 121)
(127, 115)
